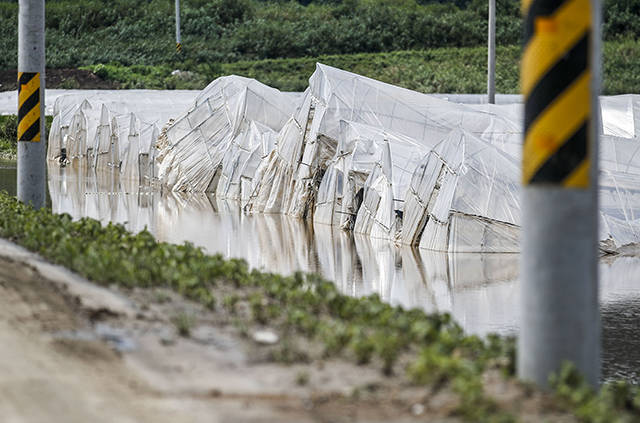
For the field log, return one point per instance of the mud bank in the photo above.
(80, 352)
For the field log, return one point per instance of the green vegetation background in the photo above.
(429, 46)
(437, 70)
(128, 32)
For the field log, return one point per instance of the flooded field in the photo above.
(479, 290)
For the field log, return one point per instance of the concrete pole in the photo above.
(31, 128)
(491, 61)
(178, 37)
(560, 318)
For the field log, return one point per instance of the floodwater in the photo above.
(8, 179)
(8, 176)
(479, 290)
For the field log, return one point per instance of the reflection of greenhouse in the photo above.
(478, 289)
(350, 152)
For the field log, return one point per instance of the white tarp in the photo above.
(293, 172)
(142, 99)
(367, 158)
(351, 152)
(192, 149)
(105, 131)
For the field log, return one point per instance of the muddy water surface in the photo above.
(479, 290)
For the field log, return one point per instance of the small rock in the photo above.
(417, 409)
(307, 404)
(167, 341)
(266, 337)
(167, 338)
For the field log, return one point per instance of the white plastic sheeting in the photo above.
(241, 160)
(104, 131)
(151, 106)
(192, 149)
(150, 98)
(373, 164)
(294, 171)
(464, 197)
(354, 153)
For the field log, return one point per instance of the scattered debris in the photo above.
(266, 337)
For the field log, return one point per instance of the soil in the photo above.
(60, 78)
(80, 352)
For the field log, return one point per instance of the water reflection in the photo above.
(8, 176)
(9, 179)
(620, 310)
(479, 290)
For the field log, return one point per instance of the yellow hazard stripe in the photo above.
(561, 119)
(580, 177)
(553, 38)
(526, 4)
(27, 122)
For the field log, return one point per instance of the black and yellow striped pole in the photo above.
(31, 134)
(491, 59)
(178, 36)
(559, 283)
(29, 106)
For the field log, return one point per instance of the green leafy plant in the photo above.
(615, 402)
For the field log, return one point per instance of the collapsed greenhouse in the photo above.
(351, 152)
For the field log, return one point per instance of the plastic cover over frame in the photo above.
(350, 152)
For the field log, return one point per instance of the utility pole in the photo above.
(560, 318)
(31, 129)
(178, 37)
(491, 61)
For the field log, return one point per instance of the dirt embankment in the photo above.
(71, 351)
(74, 352)
(60, 78)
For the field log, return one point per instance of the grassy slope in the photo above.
(128, 32)
(440, 70)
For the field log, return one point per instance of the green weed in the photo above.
(615, 402)
(183, 323)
